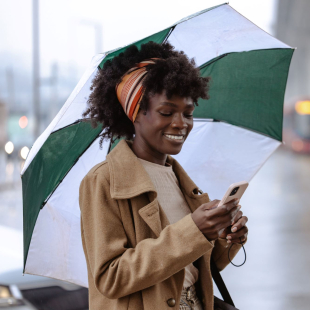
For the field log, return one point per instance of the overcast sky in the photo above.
(67, 31)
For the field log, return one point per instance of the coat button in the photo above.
(171, 302)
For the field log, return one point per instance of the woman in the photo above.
(148, 233)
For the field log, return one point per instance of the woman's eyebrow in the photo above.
(189, 105)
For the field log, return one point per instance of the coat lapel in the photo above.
(129, 179)
(151, 216)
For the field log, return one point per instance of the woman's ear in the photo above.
(139, 114)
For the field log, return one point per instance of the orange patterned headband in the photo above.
(130, 90)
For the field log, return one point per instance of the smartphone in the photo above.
(235, 190)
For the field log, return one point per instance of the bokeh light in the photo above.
(24, 152)
(9, 147)
(303, 107)
(23, 121)
(297, 145)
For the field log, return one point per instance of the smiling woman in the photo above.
(163, 128)
(147, 234)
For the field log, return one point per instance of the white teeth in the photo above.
(175, 137)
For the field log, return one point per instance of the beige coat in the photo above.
(135, 258)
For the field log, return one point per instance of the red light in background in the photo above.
(23, 122)
(297, 145)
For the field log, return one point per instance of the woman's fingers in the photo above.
(225, 232)
(239, 230)
(215, 222)
(243, 239)
(224, 209)
(239, 224)
(237, 216)
(228, 218)
(235, 237)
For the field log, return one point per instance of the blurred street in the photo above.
(277, 203)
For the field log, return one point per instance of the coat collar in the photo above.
(128, 178)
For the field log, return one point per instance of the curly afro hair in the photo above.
(174, 72)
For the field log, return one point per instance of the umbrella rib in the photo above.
(249, 129)
(237, 125)
(169, 33)
(203, 119)
(74, 123)
(258, 27)
(212, 61)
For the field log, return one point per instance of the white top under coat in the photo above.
(171, 199)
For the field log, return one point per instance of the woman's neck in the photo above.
(143, 151)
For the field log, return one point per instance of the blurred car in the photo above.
(296, 127)
(11, 298)
(27, 292)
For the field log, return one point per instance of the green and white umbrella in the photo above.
(234, 133)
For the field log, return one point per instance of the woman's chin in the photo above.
(174, 150)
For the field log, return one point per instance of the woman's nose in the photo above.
(179, 121)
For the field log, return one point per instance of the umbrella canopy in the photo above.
(234, 133)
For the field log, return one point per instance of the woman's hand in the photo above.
(212, 220)
(237, 230)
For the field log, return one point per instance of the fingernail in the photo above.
(228, 241)
(228, 237)
(234, 229)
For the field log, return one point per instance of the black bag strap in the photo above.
(220, 283)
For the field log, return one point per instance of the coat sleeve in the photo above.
(119, 270)
(220, 252)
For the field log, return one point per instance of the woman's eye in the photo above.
(186, 115)
(165, 114)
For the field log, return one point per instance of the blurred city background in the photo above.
(45, 48)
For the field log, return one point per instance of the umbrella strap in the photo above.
(243, 252)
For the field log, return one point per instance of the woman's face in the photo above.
(165, 125)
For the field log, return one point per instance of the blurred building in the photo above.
(3, 125)
(3, 138)
(293, 28)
